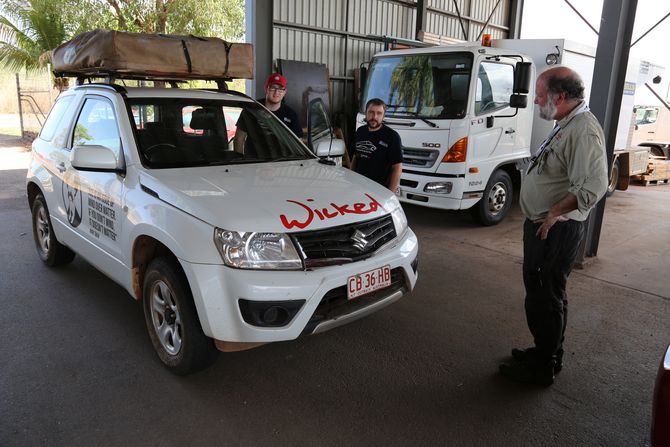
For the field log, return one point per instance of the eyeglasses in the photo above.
(277, 89)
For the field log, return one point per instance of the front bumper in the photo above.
(415, 194)
(217, 290)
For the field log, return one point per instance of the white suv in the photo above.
(227, 248)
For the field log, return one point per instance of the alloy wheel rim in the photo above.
(43, 230)
(166, 318)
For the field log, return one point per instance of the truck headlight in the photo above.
(262, 251)
(399, 221)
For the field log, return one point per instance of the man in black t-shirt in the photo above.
(377, 148)
(275, 90)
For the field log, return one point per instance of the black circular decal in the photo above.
(73, 203)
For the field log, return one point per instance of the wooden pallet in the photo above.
(646, 180)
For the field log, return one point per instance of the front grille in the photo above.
(346, 243)
(422, 158)
(409, 183)
(335, 304)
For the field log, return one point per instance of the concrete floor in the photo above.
(78, 369)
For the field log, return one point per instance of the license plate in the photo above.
(367, 282)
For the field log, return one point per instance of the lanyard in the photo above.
(552, 134)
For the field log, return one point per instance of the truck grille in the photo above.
(422, 158)
(344, 244)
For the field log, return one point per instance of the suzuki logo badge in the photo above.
(359, 239)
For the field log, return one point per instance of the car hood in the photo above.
(278, 197)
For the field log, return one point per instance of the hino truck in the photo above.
(466, 118)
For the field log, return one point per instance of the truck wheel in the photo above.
(51, 252)
(172, 320)
(614, 178)
(496, 201)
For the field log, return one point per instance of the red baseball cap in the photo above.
(275, 78)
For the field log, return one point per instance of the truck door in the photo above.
(492, 141)
(646, 123)
(92, 200)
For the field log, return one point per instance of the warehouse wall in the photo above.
(343, 34)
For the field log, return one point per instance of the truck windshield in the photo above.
(421, 85)
(187, 132)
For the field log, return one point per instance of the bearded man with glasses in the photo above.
(566, 177)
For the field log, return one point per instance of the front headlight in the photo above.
(263, 251)
(399, 221)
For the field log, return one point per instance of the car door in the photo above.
(92, 200)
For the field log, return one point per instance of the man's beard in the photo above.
(372, 124)
(548, 111)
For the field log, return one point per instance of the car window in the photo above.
(495, 83)
(183, 132)
(55, 118)
(97, 125)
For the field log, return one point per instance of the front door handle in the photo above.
(509, 131)
(61, 167)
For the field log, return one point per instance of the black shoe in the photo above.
(529, 355)
(527, 372)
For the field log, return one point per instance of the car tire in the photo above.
(50, 251)
(496, 200)
(172, 320)
(614, 178)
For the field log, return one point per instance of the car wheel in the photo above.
(614, 178)
(496, 201)
(172, 320)
(50, 251)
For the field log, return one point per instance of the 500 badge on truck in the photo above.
(229, 243)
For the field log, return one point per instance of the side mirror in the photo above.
(94, 158)
(363, 75)
(522, 74)
(518, 101)
(332, 148)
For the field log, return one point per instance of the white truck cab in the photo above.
(464, 119)
(227, 249)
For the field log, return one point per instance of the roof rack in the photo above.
(110, 79)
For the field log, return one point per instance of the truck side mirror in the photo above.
(518, 101)
(522, 74)
(363, 74)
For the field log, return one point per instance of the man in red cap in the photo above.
(275, 90)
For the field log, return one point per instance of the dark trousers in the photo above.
(546, 267)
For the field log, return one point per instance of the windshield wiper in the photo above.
(416, 115)
(295, 157)
(407, 112)
(238, 161)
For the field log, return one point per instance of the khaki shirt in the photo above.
(573, 161)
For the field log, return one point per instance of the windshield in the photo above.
(422, 85)
(186, 132)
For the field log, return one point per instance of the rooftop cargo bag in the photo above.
(161, 56)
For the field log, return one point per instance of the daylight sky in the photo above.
(564, 23)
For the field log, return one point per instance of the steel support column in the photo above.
(259, 33)
(609, 74)
(515, 16)
(421, 16)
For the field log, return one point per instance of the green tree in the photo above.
(219, 18)
(29, 30)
